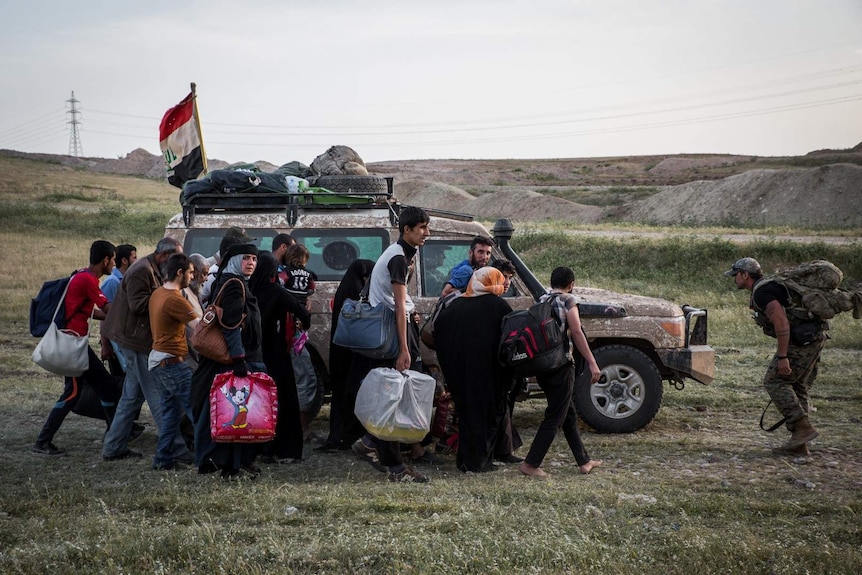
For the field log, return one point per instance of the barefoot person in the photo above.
(559, 385)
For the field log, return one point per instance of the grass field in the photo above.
(696, 491)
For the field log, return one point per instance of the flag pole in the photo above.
(198, 125)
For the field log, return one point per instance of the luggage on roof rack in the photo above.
(256, 201)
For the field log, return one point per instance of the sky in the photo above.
(283, 80)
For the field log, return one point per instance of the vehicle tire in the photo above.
(627, 396)
(352, 184)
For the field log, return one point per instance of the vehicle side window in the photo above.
(332, 251)
(436, 259)
(206, 241)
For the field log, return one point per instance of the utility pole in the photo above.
(75, 147)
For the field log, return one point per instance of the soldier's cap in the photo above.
(749, 265)
(238, 233)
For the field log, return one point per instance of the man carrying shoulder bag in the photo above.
(83, 299)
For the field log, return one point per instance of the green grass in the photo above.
(107, 220)
(693, 263)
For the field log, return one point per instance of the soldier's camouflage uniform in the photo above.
(789, 393)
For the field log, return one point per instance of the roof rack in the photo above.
(290, 203)
(451, 215)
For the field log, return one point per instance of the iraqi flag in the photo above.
(181, 142)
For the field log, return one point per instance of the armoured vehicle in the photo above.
(639, 342)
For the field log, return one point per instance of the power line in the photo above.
(26, 125)
(556, 115)
(36, 131)
(498, 129)
(608, 130)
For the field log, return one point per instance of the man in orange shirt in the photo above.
(170, 312)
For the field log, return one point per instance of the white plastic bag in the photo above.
(394, 405)
(295, 185)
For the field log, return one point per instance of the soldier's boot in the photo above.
(801, 451)
(803, 432)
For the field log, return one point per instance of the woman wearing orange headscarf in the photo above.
(467, 336)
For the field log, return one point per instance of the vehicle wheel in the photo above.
(627, 396)
(352, 184)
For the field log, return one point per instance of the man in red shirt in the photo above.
(83, 300)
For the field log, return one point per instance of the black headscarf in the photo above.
(231, 265)
(264, 273)
(273, 299)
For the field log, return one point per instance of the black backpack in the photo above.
(532, 341)
(44, 305)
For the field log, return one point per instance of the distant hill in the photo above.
(820, 189)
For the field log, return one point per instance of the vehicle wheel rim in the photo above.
(619, 392)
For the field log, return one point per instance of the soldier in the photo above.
(794, 367)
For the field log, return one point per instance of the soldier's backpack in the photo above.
(532, 341)
(43, 306)
(813, 292)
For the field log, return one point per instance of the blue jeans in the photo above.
(176, 382)
(120, 358)
(137, 387)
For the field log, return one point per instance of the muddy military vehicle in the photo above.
(639, 342)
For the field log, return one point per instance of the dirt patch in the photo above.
(521, 204)
(828, 195)
(677, 165)
(434, 195)
(532, 206)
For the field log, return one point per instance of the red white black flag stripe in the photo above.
(181, 142)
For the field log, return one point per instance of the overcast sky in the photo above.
(284, 80)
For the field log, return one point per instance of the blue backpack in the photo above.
(44, 306)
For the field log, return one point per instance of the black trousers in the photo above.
(99, 379)
(558, 387)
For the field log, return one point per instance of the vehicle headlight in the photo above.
(675, 326)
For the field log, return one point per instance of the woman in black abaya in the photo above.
(344, 429)
(244, 345)
(275, 302)
(467, 337)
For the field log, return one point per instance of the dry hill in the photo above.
(820, 189)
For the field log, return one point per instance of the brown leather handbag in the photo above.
(207, 337)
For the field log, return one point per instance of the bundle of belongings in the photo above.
(286, 179)
(339, 161)
(244, 178)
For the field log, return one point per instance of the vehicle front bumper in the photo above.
(696, 361)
